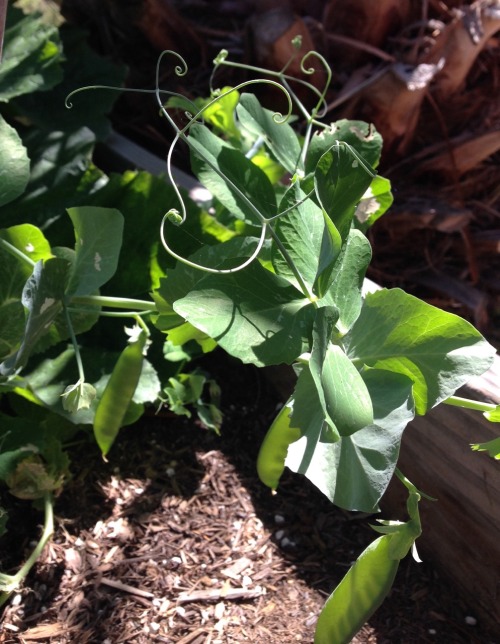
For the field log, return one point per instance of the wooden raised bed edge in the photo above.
(461, 531)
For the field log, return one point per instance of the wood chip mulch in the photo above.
(175, 540)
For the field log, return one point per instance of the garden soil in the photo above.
(175, 540)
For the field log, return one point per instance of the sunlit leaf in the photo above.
(278, 136)
(437, 350)
(14, 163)
(245, 187)
(98, 236)
(340, 180)
(355, 471)
(492, 447)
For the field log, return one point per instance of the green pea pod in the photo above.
(274, 449)
(358, 595)
(347, 399)
(118, 393)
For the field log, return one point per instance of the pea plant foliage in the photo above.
(271, 270)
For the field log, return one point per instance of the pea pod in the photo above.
(118, 393)
(358, 595)
(274, 448)
(370, 579)
(346, 395)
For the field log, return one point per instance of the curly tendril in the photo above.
(178, 216)
(201, 267)
(180, 70)
(181, 133)
(311, 70)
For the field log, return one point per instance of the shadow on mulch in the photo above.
(150, 546)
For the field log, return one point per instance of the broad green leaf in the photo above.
(344, 398)
(310, 239)
(31, 55)
(253, 314)
(374, 203)
(31, 242)
(273, 170)
(355, 471)
(98, 236)
(42, 298)
(437, 350)
(181, 279)
(308, 416)
(323, 327)
(186, 332)
(245, 191)
(340, 181)
(220, 114)
(492, 447)
(78, 396)
(344, 292)
(14, 163)
(362, 136)
(494, 415)
(58, 179)
(81, 67)
(280, 138)
(143, 199)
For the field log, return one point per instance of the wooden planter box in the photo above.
(461, 531)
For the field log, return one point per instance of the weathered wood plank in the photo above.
(461, 531)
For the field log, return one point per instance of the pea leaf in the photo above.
(348, 275)
(31, 55)
(310, 239)
(280, 138)
(42, 297)
(81, 67)
(492, 447)
(374, 203)
(362, 136)
(245, 186)
(437, 350)
(340, 181)
(58, 179)
(98, 235)
(273, 317)
(31, 242)
(14, 164)
(221, 112)
(354, 472)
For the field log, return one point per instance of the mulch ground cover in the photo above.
(175, 540)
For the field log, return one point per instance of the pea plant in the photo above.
(285, 285)
(272, 272)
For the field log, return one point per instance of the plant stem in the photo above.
(466, 403)
(78, 357)
(113, 302)
(16, 252)
(48, 530)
